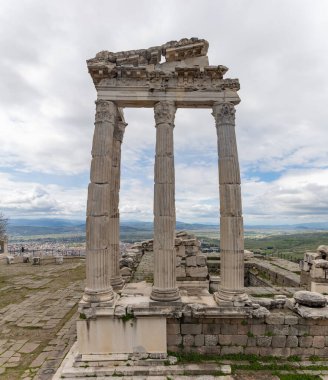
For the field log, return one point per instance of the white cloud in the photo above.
(277, 49)
(25, 199)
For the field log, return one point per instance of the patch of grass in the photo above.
(265, 295)
(127, 317)
(314, 358)
(83, 316)
(294, 358)
(250, 334)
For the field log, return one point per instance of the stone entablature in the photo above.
(185, 70)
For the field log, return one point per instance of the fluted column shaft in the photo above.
(164, 288)
(98, 227)
(115, 276)
(231, 221)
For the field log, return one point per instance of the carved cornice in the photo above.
(224, 113)
(106, 111)
(164, 113)
(188, 78)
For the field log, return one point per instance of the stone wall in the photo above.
(277, 276)
(252, 279)
(281, 333)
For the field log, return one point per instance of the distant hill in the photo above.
(48, 226)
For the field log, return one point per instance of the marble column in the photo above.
(231, 289)
(98, 227)
(165, 288)
(116, 279)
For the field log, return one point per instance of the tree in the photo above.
(3, 225)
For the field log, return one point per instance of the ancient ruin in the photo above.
(314, 270)
(140, 321)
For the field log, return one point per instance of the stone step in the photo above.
(186, 370)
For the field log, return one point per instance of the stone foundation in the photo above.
(279, 334)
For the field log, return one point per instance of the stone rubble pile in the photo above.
(130, 260)
(191, 264)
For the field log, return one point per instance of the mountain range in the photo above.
(45, 226)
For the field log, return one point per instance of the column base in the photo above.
(117, 283)
(224, 297)
(101, 296)
(165, 295)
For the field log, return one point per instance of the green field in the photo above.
(290, 246)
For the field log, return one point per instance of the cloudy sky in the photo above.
(277, 48)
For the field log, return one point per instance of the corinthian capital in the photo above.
(224, 113)
(164, 112)
(106, 111)
(119, 130)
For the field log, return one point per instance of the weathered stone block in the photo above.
(302, 351)
(275, 319)
(263, 341)
(278, 341)
(278, 329)
(199, 340)
(229, 329)
(265, 351)
(191, 242)
(211, 340)
(174, 340)
(318, 330)
(211, 328)
(291, 320)
(181, 251)
(180, 272)
(318, 342)
(191, 250)
(291, 341)
(201, 260)
(191, 328)
(228, 350)
(243, 329)
(302, 330)
(188, 340)
(225, 340)
(191, 261)
(177, 261)
(305, 341)
(252, 350)
(239, 340)
(251, 342)
(196, 271)
(173, 328)
(281, 352)
(321, 352)
(213, 350)
(258, 329)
